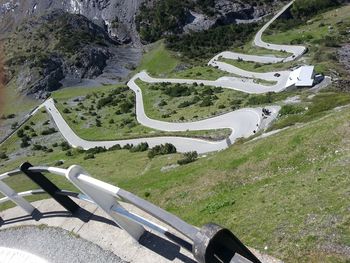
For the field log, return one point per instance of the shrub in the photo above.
(89, 156)
(162, 103)
(184, 104)
(189, 157)
(142, 147)
(96, 150)
(126, 107)
(127, 146)
(66, 110)
(58, 163)
(48, 131)
(115, 147)
(3, 155)
(162, 149)
(20, 133)
(37, 147)
(177, 91)
(206, 102)
(24, 142)
(65, 146)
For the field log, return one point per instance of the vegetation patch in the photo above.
(205, 44)
(108, 113)
(312, 109)
(183, 102)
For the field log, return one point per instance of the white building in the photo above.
(301, 77)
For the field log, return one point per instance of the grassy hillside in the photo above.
(108, 113)
(288, 192)
(323, 35)
(158, 60)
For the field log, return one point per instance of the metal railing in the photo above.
(210, 244)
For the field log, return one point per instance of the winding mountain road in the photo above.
(243, 123)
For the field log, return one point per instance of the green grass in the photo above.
(250, 49)
(285, 191)
(257, 67)
(124, 126)
(158, 61)
(13, 143)
(199, 72)
(226, 101)
(153, 96)
(332, 24)
(23, 103)
(316, 107)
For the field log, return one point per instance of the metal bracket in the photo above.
(50, 188)
(103, 195)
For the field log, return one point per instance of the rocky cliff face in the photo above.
(115, 16)
(42, 51)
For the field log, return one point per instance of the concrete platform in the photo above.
(93, 225)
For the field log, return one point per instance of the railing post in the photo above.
(50, 188)
(13, 196)
(101, 193)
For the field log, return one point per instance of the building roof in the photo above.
(301, 77)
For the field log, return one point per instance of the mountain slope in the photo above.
(42, 51)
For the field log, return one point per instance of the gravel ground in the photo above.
(55, 245)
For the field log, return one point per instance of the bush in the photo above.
(184, 104)
(162, 103)
(206, 102)
(126, 107)
(89, 156)
(3, 155)
(96, 150)
(115, 147)
(66, 110)
(37, 147)
(24, 143)
(65, 146)
(189, 157)
(58, 163)
(177, 90)
(127, 146)
(162, 149)
(142, 147)
(48, 131)
(20, 133)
